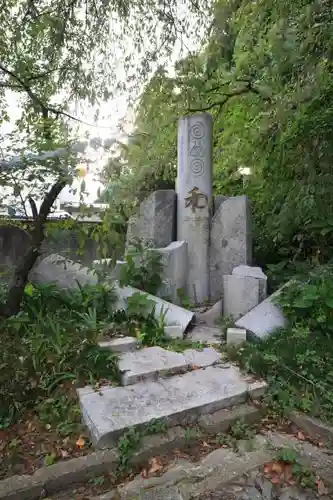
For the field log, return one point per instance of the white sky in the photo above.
(111, 115)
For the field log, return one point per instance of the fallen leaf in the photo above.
(155, 465)
(322, 490)
(195, 367)
(80, 442)
(275, 480)
(277, 467)
(320, 444)
(300, 436)
(288, 473)
(64, 453)
(204, 444)
(144, 473)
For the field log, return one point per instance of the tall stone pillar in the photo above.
(194, 200)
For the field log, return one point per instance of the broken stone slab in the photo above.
(240, 295)
(230, 241)
(236, 336)
(150, 363)
(253, 272)
(174, 275)
(212, 316)
(173, 315)
(264, 319)
(197, 358)
(180, 399)
(120, 345)
(64, 273)
(154, 224)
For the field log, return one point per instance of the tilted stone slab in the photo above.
(120, 345)
(264, 319)
(174, 275)
(149, 364)
(180, 399)
(240, 295)
(174, 316)
(253, 272)
(64, 273)
(154, 224)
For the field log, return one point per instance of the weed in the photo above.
(303, 474)
(142, 269)
(239, 431)
(155, 427)
(127, 445)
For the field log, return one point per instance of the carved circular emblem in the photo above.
(198, 130)
(197, 167)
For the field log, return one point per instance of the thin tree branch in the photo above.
(33, 207)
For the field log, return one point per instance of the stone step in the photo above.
(181, 399)
(151, 363)
(120, 344)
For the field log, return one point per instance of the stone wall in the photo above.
(14, 242)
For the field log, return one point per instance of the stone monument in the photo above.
(194, 200)
(202, 239)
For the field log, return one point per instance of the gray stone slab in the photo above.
(154, 224)
(174, 260)
(222, 420)
(149, 364)
(120, 345)
(173, 315)
(178, 400)
(264, 319)
(171, 493)
(254, 272)
(202, 358)
(212, 316)
(231, 241)
(194, 199)
(240, 295)
(64, 273)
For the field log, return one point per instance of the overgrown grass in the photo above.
(298, 361)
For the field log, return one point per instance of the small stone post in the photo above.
(194, 200)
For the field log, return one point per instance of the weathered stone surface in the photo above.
(149, 364)
(212, 316)
(257, 389)
(236, 335)
(154, 224)
(264, 319)
(194, 200)
(64, 273)
(222, 420)
(254, 272)
(174, 316)
(240, 295)
(202, 358)
(120, 345)
(205, 334)
(153, 445)
(174, 260)
(314, 428)
(178, 399)
(171, 493)
(231, 241)
(218, 200)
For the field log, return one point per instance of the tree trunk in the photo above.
(21, 274)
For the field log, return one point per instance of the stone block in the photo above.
(120, 345)
(180, 399)
(230, 241)
(202, 358)
(154, 224)
(149, 364)
(64, 273)
(257, 389)
(174, 260)
(240, 295)
(264, 319)
(254, 272)
(222, 420)
(236, 336)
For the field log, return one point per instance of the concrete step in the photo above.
(120, 344)
(177, 400)
(151, 363)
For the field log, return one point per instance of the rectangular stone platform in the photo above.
(180, 399)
